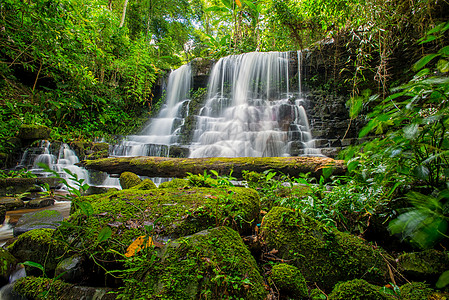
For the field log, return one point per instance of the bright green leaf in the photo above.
(424, 61)
(104, 234)
(443, 280)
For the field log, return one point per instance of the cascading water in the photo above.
(250, 110)
(66, 159)
(162, 131)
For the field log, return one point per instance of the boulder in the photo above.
(38, 246)
(73, 269)
(427, 265)
(12, 203)
(211, 264)
(36, 220)
(356, 289)
(324, 255)
(46, 288)
(40, 202)
(146, 184)
(128, 180)
(416, 291)
(169, 213)
(34, 132)
(289, 281)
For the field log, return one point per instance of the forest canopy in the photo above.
(90, 68)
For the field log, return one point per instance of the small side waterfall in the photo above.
(250, 109)
(65, 159)
(163, 131)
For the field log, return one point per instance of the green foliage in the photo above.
(23, 173)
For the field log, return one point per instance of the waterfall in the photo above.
(162, 131)
(250, 110)
(66, 158)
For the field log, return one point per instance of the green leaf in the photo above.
(443, 66)
(355, 105)
(35, 265)
(444, 51)
(104, 234)
(370, 126)
(352, 165)
(443, 280)
(422, 172)
(424, 61)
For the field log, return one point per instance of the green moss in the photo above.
(38, 246)
(146, 184)
(34, 132)
(128, 180)
(41, 288)
(175, 183)
(289, 280)
(212, 264)
(415, 291)
(323, 255)
(357, 289)
(7, 265)
(428, 263)
(170, 212)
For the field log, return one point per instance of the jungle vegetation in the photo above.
(89, 69)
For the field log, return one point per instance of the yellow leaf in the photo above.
(239, 4)
(137, 245)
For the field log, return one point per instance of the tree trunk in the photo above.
(179, 167)
(123, 14)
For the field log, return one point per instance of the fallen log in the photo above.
(179, 167)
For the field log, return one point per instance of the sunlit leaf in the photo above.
(34, 264)
(239, 4)
(443, 65)
(138, 244)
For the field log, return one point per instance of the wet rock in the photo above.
(128, 180)
(2, 213)
(12, 203)
(40, 202)
(323, 255)
(38, 246)
(37, 220)
(72, 269)
(22, 185)
(209, 264)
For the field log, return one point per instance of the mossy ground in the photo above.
(164, 212)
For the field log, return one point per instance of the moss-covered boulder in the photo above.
(51, 289)
(146, 184)
(38, 246)
(324, 255)
(34, 132)
(170, 213)
(289, 281)
(7, 266)
(416, 291)
(212, 264)
(357, 289)
(175, 183)
(128, 180)
(427, 265)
